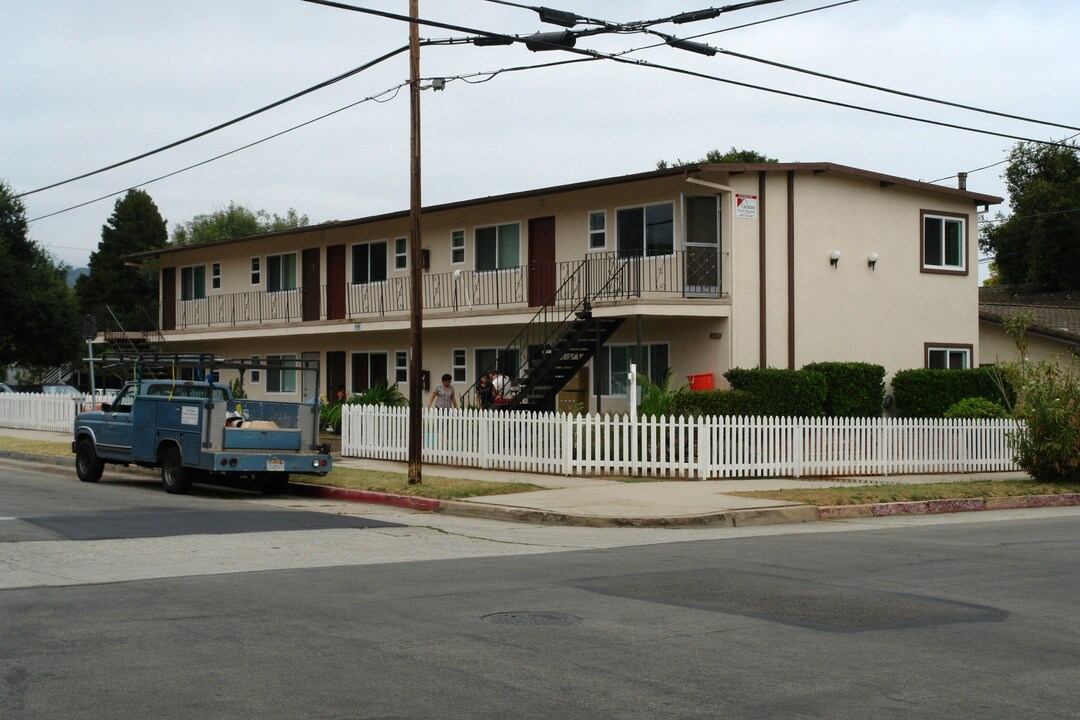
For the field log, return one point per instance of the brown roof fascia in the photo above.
(684, 170)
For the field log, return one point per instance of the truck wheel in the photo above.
(174, 476)
(273, 483)
(88, 465)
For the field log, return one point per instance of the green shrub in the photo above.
(852, 389)
(976, 408)
(330, 417)
(379, 394)
(929, 393)
(1048, 403)
(784, 393)
(657, 399)
(716, 403)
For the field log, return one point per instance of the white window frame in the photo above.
(644, 207)
(457, 245)
(647, 348)
(189, 294)
(498, 246)
(256, 271)
(255, 377)
(278, 376)
(945, 218)
(352, 262)
(215, 276)
(459, 370)
(593, 232)
(401, 254)
(965, 351)
(280, 279)
(401, 366)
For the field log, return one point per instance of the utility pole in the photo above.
(416, 295)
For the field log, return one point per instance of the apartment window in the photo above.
(505, 361)
(458, 361)
(401, 254)
(369, 262)
(647, 230)
(255, 376)
(498, 246)
(598, 230)
(281, 380)
(256, 271)
(401, 366)
(457, 247)
(943, 242)
(948, 357)
(613, 366)
(281, 272)
(193, 282)
(368, 370)
(215, 276)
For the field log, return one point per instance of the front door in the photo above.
(309, 383)
(311, 306)
(541, 261)
(335, 290)
(701, 256)
(335, 374)
(168, 298)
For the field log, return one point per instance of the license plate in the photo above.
(275, 466)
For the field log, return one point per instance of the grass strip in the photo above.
(438, 488)
(868, 494)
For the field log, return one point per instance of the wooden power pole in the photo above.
(416, 295)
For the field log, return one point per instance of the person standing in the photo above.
(499, 383)
(485, 393)
(443, 396)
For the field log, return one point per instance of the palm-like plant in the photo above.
(657, 399)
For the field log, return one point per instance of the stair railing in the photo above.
(575, 295)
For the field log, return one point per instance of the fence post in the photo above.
(797, 447)
(703, 441)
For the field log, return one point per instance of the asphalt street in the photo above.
(118, 601)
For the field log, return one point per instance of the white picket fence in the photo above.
(703, 448)
(38, 411)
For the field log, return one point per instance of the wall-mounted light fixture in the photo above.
(834, 258)
(871, 260)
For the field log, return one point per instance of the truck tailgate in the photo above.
(260, 439)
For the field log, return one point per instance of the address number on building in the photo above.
(356, 326)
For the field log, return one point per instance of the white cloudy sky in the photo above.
(87, 84)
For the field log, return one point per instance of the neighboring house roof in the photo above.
(732, 168)
(1055, 314)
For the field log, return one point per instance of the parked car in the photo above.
(62, 390)
(5, 388)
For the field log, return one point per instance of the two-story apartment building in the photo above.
(699, 268)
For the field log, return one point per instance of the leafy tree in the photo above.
(39, 315)
(733, 155)
(131, 292)
(234, 221)
(1040, 242)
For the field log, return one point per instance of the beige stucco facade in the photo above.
(776, 299)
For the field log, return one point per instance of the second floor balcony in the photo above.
(602, 278)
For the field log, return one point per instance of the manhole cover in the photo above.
(531, 618)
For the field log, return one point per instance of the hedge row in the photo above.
(839, 389)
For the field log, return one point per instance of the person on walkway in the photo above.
(485, 393)
(443, 396)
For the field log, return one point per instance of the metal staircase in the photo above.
(563, 335)
(119, 342)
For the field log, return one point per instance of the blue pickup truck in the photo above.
(197, 431)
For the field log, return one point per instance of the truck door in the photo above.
(114, 434)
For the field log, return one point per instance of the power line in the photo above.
(253, 113)
(373, 98)
(681, 71)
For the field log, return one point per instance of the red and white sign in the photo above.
(746, 206)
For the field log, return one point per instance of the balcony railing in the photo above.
(686, 273)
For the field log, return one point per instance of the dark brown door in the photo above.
(335, 373)
(312, 289)
(541, 260)
(168, 298)
(335, 287)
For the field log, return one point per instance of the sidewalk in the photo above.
(599, 502)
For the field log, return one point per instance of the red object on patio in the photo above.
(701, 382)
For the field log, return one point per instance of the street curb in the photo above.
(935, 507)
(327, 492)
